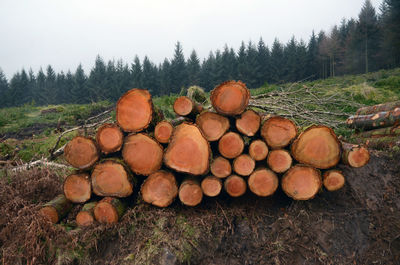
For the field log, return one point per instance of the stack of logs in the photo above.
(204, 152)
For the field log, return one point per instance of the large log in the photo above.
(159, 189)
(86, 215)
(244, 165)
(142, 154)
(279, 160)
(112, 178)
(190, 192)
(221, 167)
(230, 98)
(77, 188)
(184, 106)
(263, 182)
(378, 108)
(212, 125)
(211, 186)
(188, 151)
(109, 210)
(109, 138)
(248, 123)
(333, 180)
(301, 182)
(258, 150)
(231, 145)
(278, 132)
(56, 209)
(373, 121)
(163, 131)
(235, 186)
(354, 155)
(381, 132)
(81, 152)
(317, 146)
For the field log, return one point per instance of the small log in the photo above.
(190, 192)
(56, 209)
(159, 189)
(278, 132)
(279, 160)
(231, 145)
(388, 106)
(163, 131)
(86, 216)
(302, 182)
(333, 180)
(317, 146)
(230, 98)
(354, 155)
(109, 138)
(221, 167)
(263, 182)
(112, 178)
(188, 151)
(244, 165)
(81, 152)
(184, 106)
(77, 188)
(381, 132)
(248, 123)
(109, 210)
(211, 186)
(235, 186)
(142, 154)
(258, 150)
(212, 125)
(373, 121)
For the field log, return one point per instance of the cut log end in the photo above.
(333, 180)
(279, 160)
(160, 189)
(354, 155)
(142, 154)
(230, 98)
(278, 132)
(184, 106)
(84, 219)
(263, 182)
(109, 137)
(81, 152)
(56, 209)
(163, 132)
(301, 182)
(248, 123)
(108, 211)
(231, 145)
(50, 213)
(190, 192)
(258, 150)
(244, 165)
(212, 125)
(211, 186)
(235, 186)
(77, 188)
(221, 167)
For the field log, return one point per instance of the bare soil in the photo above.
(359, 224)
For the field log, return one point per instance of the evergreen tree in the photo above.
(207, 80)
(178, 69)
(3, 89)
(97, 82)
(79, 92)
(165, 77)
(40, 89)
(193, 69)
(50, 86)
(263, 62)
(390, 28)
(150, 76)
(277, 62)
(136, 69)
(312, 57)
(242, 63)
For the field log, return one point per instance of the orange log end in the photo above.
(230, 98)
(84, 218)
(333, 180)
(221, 167)
(160, 189)
(105, 212)
(231, 145)
(258, 150)
(248, 123)
(235, 186)
(163, 131)
(211, 186)
(244, 165)
(183, 106)
(301, 182)
(81, 152)
(279, 160)
(212, 125)
(263, 182)
(190, 193)
(50, 213)
(358, 157)
(109, 137)
(77, 188)
(278, 132)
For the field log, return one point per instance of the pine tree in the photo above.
(97, 82)
(242, 63)
(165, 77)
(178, 69)
(207, 72)
(3, 89)
(390, 20)
(193, 69)
(263, 61)
(312, 57)
(150, 76)
(79, 91)
(136, 69)
(50, 89)
(277, 62)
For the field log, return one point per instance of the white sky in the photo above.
(66, 33)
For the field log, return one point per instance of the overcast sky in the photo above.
(66, 33)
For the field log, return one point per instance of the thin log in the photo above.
(379, 143)
(77, 188)
(86, 216)
(81, 152)
(373, 121)
(244, 165)
(163, 131)
(109, 210)
(235, 186)
(388, 106)
(263, 182)
(211, 186)
(278, 132)
(231, 145)
(109, 138)
(230, 98)
(258, 150)
(184, 106)
(221, 167)
(159, 189)
(248, 123)
(56, 209)
(381, 132)
(354, 155)
(279, 160)
(333, 180)
(212, 125)
(190, 192)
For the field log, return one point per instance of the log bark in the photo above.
(160, 189)
(317, 146)
(56, 209)
(109, 210)
(248, 123)
(244, 165)
(142, 153)
(77, 188)
(188, 151)
(230, 98)
(86, 216)
(112, 178)
(81, 152)
(184, 106)
(379, 143)
(381, 132)
(354, 155)
(333, 180)
(373, 121)
(211, 186)
(163, 131)
(279, 160)
(278, 132)
(388, 106)
(190, 192)
(235, 186)
(212, 125)
(263, 182)
(301, 182)
(221, 167)
(231, 145)
(109, 138)
(258, 150)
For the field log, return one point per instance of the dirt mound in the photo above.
(359, 224)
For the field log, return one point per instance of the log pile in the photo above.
(229, 149)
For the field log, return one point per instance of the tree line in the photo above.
(367, 43)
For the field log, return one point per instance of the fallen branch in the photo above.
(36, 163)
